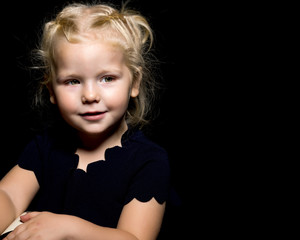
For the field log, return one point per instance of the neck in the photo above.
(110, 138)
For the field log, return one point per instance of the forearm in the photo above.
(79, 229)
(7, 211)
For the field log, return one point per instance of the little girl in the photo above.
(94, 174)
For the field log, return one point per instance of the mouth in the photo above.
(92, 116)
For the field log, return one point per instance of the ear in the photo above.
(51, 92)
(135, 89)
(52, 99)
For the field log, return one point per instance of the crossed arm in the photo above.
(138, 220)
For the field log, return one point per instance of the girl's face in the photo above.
(92, 87)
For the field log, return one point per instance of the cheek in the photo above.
(116, 99)
(65, 105)
(65, 101)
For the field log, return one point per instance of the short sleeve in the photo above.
(30, 158)
(152, 179)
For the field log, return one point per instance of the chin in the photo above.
(92, 132)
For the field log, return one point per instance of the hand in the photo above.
(39, 225)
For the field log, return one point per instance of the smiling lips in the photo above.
(92, 116)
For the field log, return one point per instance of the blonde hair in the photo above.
(127, 28)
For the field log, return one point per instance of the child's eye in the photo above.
(106, 79)
(73, 82)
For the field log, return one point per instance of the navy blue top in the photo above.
(139, 169)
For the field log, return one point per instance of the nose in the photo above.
(90, 94)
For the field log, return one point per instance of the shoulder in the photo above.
(144, 154)
(51, 137)
(43, 143)
(140, 144)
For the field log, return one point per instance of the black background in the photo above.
(186, 45)
(219, 64)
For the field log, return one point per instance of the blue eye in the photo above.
(73, 82)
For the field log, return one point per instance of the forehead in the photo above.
(105, 47)
(90, 53)
(103, 41)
